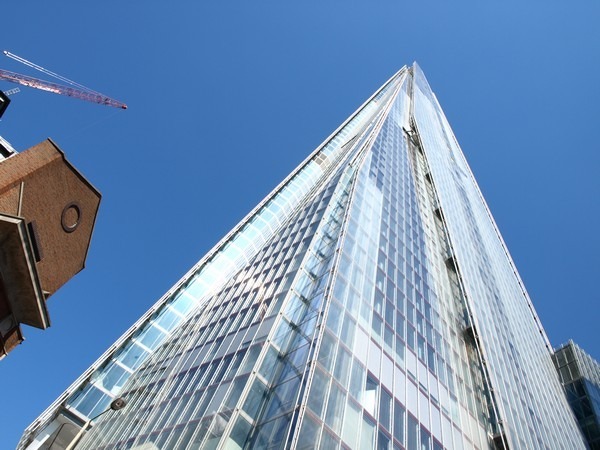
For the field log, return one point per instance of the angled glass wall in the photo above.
(514, 345)
(104, 381)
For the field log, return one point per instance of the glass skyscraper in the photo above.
(580, 375)
(368, 302)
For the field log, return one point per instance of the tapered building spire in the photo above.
(368, 302)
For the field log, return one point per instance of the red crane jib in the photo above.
(59, 89)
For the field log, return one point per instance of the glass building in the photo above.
(368, 302)
(580, 375)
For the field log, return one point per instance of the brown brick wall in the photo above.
(9, 200)
(48, 192)
(60, 203)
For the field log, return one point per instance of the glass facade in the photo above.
(368, 302)
(580, 375)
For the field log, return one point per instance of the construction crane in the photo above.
(75, 90)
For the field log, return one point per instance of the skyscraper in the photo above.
(368, 302)
(580, 375)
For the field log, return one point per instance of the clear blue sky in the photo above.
(226, 98)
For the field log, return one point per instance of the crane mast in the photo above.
(76, 90)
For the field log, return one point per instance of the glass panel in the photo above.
(236, 391)
(335, 408)
(356, 380)
(168, 319)
(351, 424)
(425, 439)
(239, 434)
(91, 401)
(308, 435)
(255, 398)
(385, 407)
(413, 433)
(328, 441)
(399, 414)
(133, 356)
(151, 337)
(367, 434)
(369, 395)
(383, 442)
(113, 378)
(318, 392)
(342, 366)
(183, 303)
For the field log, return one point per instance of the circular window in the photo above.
(70, 217)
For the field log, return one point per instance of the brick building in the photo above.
(47, 214)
